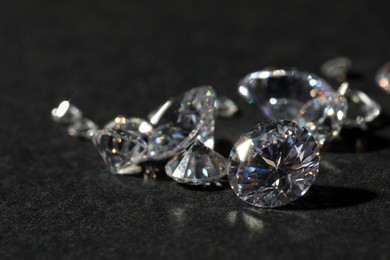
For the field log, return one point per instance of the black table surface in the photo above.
(58, 200)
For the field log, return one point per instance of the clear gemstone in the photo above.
(121, 150)
(361, 108)
(336, 68)
(197, 106)
(196, 166)
(83, 128)
(66, 113)
(273, 164)
(130, 124)
(226, 107)
(383, 77)
(179, 120)
(296, 96)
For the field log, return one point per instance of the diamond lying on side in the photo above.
(197, 166)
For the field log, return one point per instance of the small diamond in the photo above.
(83, 128)
(336, 68)
(226, 107)
(196, 166)
(273, 164)
(322, 116)
(178, 121)
(361, 108)
(66, 113)
(383, 77)
(130, 124)
(121, 150)
(296, 96)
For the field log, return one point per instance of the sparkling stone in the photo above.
(296, 96)
(66, 113)
(83, 128)
(178, 121)
(383, 77)
(336, 68)
(273, 164)
(196, 166)
(121, 150)
(361, 108)
(226, 107)
(130, 124)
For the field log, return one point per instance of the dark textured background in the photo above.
(57, 199)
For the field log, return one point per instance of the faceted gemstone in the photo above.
(196, 166)
(273, 164)
(66, 113)
(226, 107)
(197, 106)
(322, 116)
(296, 96)
(167, 140)
(336, 68)
(130, 124)
(178, 121)
(121, 150)
(361, 108)
(383, 77)
(83, 128)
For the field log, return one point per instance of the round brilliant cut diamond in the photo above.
(273, 164)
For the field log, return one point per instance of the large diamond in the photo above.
(191, 115)
(296, 96)
(197, 165)
(121, 150)
(383, 77)
(273, 164)
(361, 108)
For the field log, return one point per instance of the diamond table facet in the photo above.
(196, 166)
(273, 164)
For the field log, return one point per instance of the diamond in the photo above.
(196, 166)
(130, 124)
(226, 107)
(83, 128)
(66, 113)
(121, 150)
(273, 164)
(296, 96)
(178, 121)
(383, 77)
(336, 68)
(361, 108)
